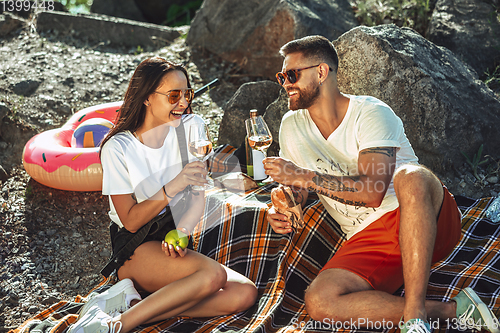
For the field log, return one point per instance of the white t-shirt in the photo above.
(368, 123)
(128, 166)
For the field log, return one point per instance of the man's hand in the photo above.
(279, 222)
(286, 172)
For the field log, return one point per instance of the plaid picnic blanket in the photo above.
(234, 231)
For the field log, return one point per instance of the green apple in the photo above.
(177, 238)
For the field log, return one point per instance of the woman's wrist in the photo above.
(184, 230)
(169, 196)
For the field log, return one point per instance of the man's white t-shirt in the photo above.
(368, 123)
(128, 166)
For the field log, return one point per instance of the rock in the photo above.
(470, 29)
(105, 253)
(24, 10)
(492, 179)
(12, 299)
(250, 33)
(51, 232)
(254, 95)
(50, 300)
(432, 91)
(126, 9)
(101, 28)
(26, 87)
(9, 23)
(274, 112)
(4, 110)
(4, 175)
(77, 220)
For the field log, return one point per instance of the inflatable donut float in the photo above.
(63, 159)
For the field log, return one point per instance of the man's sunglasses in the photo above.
(292, 75)
(175, 95)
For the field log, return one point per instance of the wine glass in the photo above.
(259, 135)
(259, 138)
(200, 146)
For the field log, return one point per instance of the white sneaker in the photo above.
(473, 314)
(95, 321)
(114, 300)
(416, 326)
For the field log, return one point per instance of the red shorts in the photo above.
(374, 252)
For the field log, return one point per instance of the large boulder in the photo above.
(250, 33)
(253, 95)
(10, 23)
(107, 29)
(444, 108)
(470, 29)
(274, 113)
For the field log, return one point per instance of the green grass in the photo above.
(77, 6)
(492, 80)
(404, 13)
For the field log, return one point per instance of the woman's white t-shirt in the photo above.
(368, 123)
(129, 166)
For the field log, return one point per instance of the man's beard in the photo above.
(305, 99)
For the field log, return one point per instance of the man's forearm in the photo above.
(343, 189)
(362, 190)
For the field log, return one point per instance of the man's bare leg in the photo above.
(420, 195)
(340, 295)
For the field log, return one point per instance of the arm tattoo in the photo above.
(328, 183)
(388, 151)
(134, 197)
(334, 197)
(333, 183)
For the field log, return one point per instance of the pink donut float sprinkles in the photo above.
(67, 158)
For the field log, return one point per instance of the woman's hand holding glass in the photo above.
(193, 174)
(200, 146)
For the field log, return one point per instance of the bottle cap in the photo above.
(254, 113)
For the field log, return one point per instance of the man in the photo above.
(353, 152)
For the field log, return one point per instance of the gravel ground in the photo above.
(53, 243)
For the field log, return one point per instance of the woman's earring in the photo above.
(147, 103)
(320, 83)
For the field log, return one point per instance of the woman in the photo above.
(144, 177)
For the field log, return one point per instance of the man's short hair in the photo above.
(315, 47)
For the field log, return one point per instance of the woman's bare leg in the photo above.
(181, 284)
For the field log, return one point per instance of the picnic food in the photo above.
(237, 181)
(177, 238)
(284, 203)
(50, 159)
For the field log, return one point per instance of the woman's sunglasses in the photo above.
(175, 95)
(292, 75)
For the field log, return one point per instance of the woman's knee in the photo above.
(213, 277)
(245, 296)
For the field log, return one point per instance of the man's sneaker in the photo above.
(114, 300)
(416, 326)
(95, 321)
(472, 313)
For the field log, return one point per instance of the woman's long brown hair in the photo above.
(146, 79)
